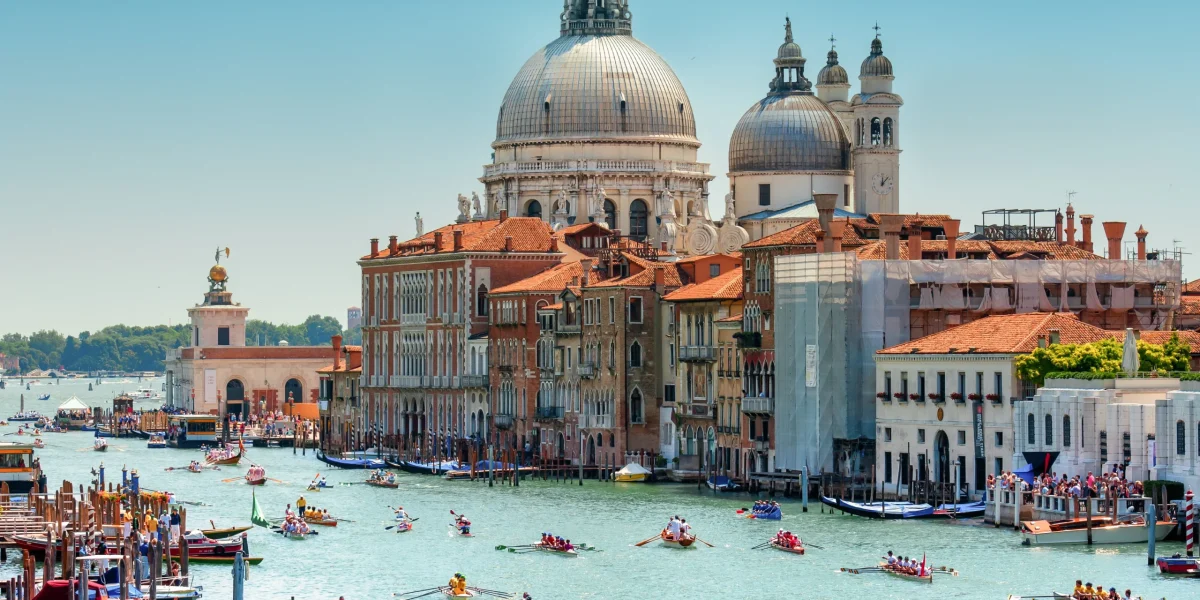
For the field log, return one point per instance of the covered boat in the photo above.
(428, 468)
(633, 472)
(722, 483)
(352, 463)
(1103, 531)
(906, 510)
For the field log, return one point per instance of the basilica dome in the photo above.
(876, 64)
(595, 84)
(789, 132)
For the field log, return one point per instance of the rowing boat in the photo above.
(321, 522)
(1052, 595)
(221, 560)
(232, 460)
(296, 535)
(681, 542)
(902, 575)
(404, 526)
(260, 481)
(216, 534)
(781, 547)
(544, 548)
(382, 483)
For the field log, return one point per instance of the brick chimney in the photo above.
(437, 241)
(374, 246)
(914, 239)
(826, 203)
(586, 264)
(837, 229)
(1058, 227)
(458, 245)
(503, 215)
(951, 226)
(508, 243)
(823, 243)
(337, 352)
(890, 226)
(1141, 234)
(1086, 221)
(660, 279)
(554, 243)
(391, 244)
(1114, 231)
(1070, 224)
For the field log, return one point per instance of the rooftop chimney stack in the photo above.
(826, 203)
(914, 239)
(951, 226)
(437, 241)
(1114, 231)
(1086, 221)
(1058, 227)
(837, 229)
(458, 244)
(374, 246)
(391, 244)
(508, 243)
(823, 243)
(586, 265)
(660, 279)
(890, 226)
(503, 215)
(554, 243)
(1141, 234)
(337, 352)
(1070, 224)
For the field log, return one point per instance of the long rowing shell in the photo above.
(544, 548)
(903, 575)
(322, 522)
(781, 547)
(382, 484)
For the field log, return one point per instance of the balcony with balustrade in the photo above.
(412, 319)
(587, 370)
(409, 382)
(475, 381)
(758, 406)
(599, 422)
(594, 166)
(549, 413)
(762, 444)
(503, 421)
(698, 410)
(697, 353)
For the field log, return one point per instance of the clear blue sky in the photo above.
(136, 137)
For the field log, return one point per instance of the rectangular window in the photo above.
(962, 384)
(998, 466)
(920, 386)
(920, 436)
(887, 434)
(941, 386)
(887, 467)
(979, 383)
(612, 309)
(846, 194)
(714, 270)
(764, 194)
(904, 385)
(669, 392)
(222, 336)
(635, 309)
(998, 384)
(962, 438)
(672, 356)
(887, 385)
(904, 468)
(999, 437)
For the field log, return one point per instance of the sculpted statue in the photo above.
(464, 205)
(475, 203)
(666, 204)
(499, 203)
(560, 203)
(730, 209)
(601, 196)
(420, 225)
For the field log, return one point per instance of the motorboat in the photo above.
(156, 441)
(633, 473)
(1104, 530)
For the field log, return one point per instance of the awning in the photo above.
(73, 403)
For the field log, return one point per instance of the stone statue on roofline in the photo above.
(730, 208)
(420, 225)
(464, 209)
(476, 204)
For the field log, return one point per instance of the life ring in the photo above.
(219, 550)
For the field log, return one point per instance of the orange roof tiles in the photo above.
(1192, 287)
(995, 250)
(805, 234)
(1004, 334)
(874, 219)
(644, 278)
(1189, 306)
(550, 281)
(700, 257)
(722, 287)
(1050, 250)
(529, 235)
(731, 319)
(1160, 337)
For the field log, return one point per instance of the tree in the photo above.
(318, 330)
(1100, 357)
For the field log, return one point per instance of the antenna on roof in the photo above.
(1071, 197)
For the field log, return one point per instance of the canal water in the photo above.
(360, 560)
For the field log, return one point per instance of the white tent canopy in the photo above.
(73, 403)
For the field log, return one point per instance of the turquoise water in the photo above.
(362, 561)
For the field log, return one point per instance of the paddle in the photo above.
(647, 541)
(704, 542)
(861, 570)
(422, 592)
(496, 593)
(390, 527)
(231, 479)
(275, 480)
(503, 547)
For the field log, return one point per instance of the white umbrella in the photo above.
(1129, 357)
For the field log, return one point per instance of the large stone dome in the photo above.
(589, 86)
(789, 132)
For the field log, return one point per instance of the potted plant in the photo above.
(974, 397)
(898, 396)
(936, 397)
(993, 397)
(914, 396)
(881, 396)
(955, 396)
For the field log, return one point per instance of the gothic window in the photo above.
(610, 214)
(635, 355)
(1066, 431)
(534, 209)
(636, 410)
(481, 301)
(1049, 430)
(638, 226)
(1180, 438)
(875, 132)
(887, 131)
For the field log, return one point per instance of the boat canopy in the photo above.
(73, 403)
(634, 469)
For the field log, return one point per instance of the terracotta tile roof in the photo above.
(552, 280)
(578, 227)
(932, 221)
(1189, 306)
(722, 287)
(644, 278)
(1192, 287)
(1160, 337)
(731, 319)
(692, 259)
(1004, 334)
(877, 250)
(558, 306)
(529, 235)
(804, 234)
(343, 368)
(1047, 250)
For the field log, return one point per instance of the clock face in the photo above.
(882, 184)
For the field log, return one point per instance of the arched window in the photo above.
(481, 301)
(635, 355)
(636, 411)
(638, 226)
(1032, 425)
(858, 131)
(876, 133)
(1066, 431)
(1049, 430)
(1103, 447)
(887, 131)
(610, 214)
(534, 209)
(1180, 438)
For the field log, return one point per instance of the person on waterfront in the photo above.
(175, 521)
(176, 574)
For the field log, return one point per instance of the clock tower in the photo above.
(876, 140)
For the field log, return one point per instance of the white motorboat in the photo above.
(1104, 531)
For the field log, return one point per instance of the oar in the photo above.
(704, 542)
(503, 547)
(762, 545)
(231, 479)
(422, 592)
(807, 545)
(391, 527)
(275, 480)
(491, 592)
(647, 541)
(945, 570)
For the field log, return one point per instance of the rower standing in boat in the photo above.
(300, 504)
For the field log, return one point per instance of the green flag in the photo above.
(256, 513)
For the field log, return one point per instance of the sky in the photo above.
(137, 137)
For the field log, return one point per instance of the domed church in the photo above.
(793, 143)
(596, 126)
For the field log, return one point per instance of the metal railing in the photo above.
(763, 406)
(474, 381)
(697, 353)
(503, 421)
(587, 370)
(604, 165)
(549, 412)
(599, 422)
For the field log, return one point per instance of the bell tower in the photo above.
(875, 133)
(218, 321)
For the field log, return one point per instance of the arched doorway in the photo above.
(638, 219)
(235, 394)
(293, 391)
(533, 209)
(591, 451)
(941, 457)
(562, 445)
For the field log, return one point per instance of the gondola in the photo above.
(906, 510)
(232, 460)
(425, 468)
(352, 463)
(218, 534)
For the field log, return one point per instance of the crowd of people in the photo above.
(554, 542)
(256, 473)
(1088, 591)
(764, 507)
(787, 539)
(1107, 485)
(382, 476)
(678, 529)
(906, 565)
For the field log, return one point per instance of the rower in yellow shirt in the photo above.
(1078, 591)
